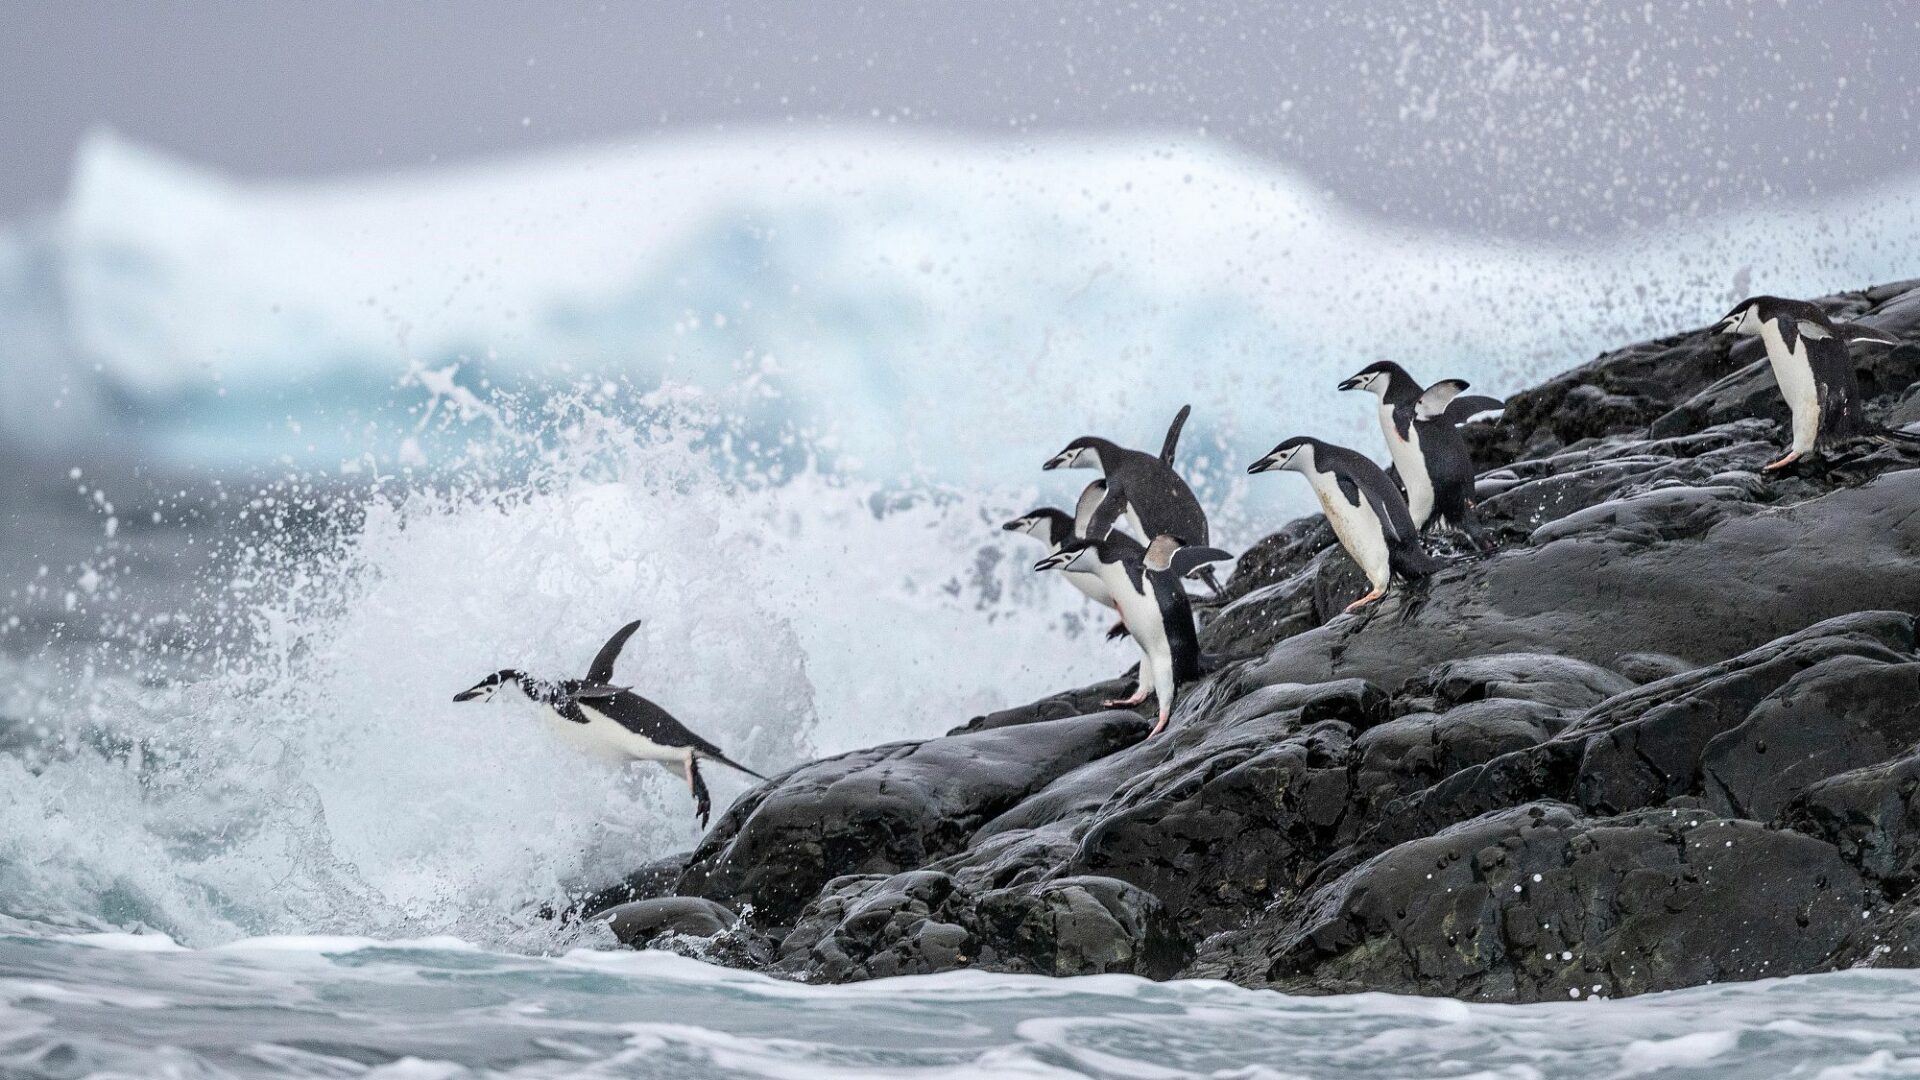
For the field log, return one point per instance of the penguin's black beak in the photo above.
(1056, 461)
(1262, 465)
(1013, 526)
(469, 695)
(1353, 383)
(1051, 562)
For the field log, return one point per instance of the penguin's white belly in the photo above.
(604, 736)
(1412, 465)
(1140, 612)
(1091, 587)
(1359, 532)
(1794, 373)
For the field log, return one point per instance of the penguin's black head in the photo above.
(1082, 453)
(1378, 378)
(1051, 527)
(1746, 316)
(1075, 554)
(489, 686)
(1295, 453)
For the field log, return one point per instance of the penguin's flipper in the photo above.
(589, 691)
(602, 669)
(1106, 513)
(1813, 331)
(1433, 403)
(1851, 332)
(1189, 559)
(1173, 434)
(1462, 409)
(702, 800)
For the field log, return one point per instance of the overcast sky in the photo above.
(1527, 117)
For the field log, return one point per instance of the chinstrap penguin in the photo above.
(1145, 488)
(613, 720)
(1146, 585)
(1055, 529)
(1422, 428)
(1808, 354)
(1364, 508)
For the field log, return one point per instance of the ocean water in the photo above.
(285, 468)
(120, 1005)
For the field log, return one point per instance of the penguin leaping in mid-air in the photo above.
(1422, 426)
(1364, 508)
(1808, 353)
(612, 720)
(1145, 488)
(1145, 584)
(1056, 530)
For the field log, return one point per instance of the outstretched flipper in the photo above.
(1107, 513)
(1433, 403)
(1851, 332)
(603, 661)
(1462, 409)
(1173, 434)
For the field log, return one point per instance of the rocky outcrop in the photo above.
(1666, 733)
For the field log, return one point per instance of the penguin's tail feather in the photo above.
(715, 755)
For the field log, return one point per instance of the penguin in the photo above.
(1145, 488)
(1364, 508)
(1808, 353)
(1424, 441)
(1055, 529)
(1145, 583)
(613, 721)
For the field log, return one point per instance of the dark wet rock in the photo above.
(641, 921)
(657, 878)
(1643, 668)
(1682, 693)
(1871, 815)
(924, 922)
(1087, 699)
(886, 809)
(1654, 742)
(1538, 903)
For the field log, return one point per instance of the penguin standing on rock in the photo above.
(613, 721)
(1145, 488)
(1808, 353)
(1422, 426)
(1364, 508)
(1145, 583)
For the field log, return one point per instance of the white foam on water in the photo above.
(319, 780)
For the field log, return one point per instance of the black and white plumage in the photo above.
(1055, 529)
(1145, 489)
(1364, 508)
(1422, 428)
(1808, 354)
(1145, 583)
(613, 721)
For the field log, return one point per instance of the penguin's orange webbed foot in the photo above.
(1159, 727)
(1365, 600)
(1782, 463)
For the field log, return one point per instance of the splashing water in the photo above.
(315, 776)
